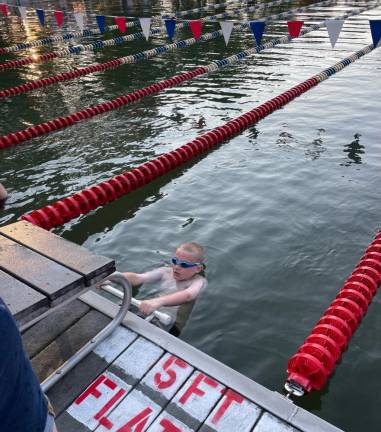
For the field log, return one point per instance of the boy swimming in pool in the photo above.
(181, 283)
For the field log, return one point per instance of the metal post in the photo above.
(86, 349)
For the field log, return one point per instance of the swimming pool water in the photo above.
(284, 210)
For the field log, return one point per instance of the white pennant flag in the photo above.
(79, 20)
(22, 11)
(145, 24)
(334, 27)
(226, 27)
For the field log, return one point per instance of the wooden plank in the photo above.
(81, 376)
(232, 410)
(68, 343)
(23, 301)
(269, 423)
(128, 369)
(43, 333)
(42, 274)
(77, 258)
(262, 397)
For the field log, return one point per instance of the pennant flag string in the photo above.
(59, 16)
(101, 21)
(170, 25)
(145, 24)
(79, 16)
(294, 28)
(121, 23)
(22, 11)
(41, 16)
(4, 9)
(375, 28)
(5, 6)
(226, 28)
(122, 39)
(214, 66)
(334, 27)
(195, 26)
(258, 27)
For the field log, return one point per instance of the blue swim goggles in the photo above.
(184, 264)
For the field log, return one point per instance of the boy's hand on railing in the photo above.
(148, 306)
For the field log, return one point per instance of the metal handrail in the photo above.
(120, 279)
(161, 316)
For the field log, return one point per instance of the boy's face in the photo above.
(180, 273)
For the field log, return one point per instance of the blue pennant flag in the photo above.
(101, 21)
(41, 16)
(257, 27)
(375, 28)
(170, 24)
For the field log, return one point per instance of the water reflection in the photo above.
(354, 150)
(316, 147)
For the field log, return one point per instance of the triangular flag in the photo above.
(145, 24)
(170, 25)
(226, 27)
(59, 18)
(375, 29)
(258, 27)
(195, 26)
(22, 10)
(294, 28)
(4, 9)
(79, 19)
(121, 23)
(101, 21)
(41, 16)
(334, 27)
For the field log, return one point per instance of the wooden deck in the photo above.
(140, 378)
(147, 379)
(39, 270)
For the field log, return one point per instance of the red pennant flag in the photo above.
(3, 8)
(121, 23)
(294, 28)
(195, 27)
(59, 18)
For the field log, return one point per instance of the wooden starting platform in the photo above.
(39, 270)
(138, 379)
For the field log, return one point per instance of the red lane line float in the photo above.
(89, 199)
(310, 367)
(63, 122)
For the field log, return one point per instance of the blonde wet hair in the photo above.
(195, 249)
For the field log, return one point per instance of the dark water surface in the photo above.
(284, 211)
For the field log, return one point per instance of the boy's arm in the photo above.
(175, 299)
(137, 279)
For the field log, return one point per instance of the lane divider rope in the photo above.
(89, 199)
(313, 363)
(18, 137)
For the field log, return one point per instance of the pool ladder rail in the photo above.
(109, 285)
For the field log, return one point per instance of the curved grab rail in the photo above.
(86, 349)
(161, 316)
